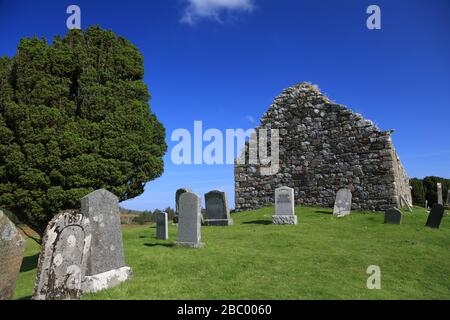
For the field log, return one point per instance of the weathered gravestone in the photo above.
(162, 227)
(189, 227)
(217, 212)
(63, 259)
(284, 206)
(435, 216)
(439, 194)
(12, 247)
(393, 216)
(106, 265)
(343, 203)
(177, 202)
(448, 199)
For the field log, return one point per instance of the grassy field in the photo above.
(320, 258)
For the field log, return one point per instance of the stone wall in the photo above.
(324, 147)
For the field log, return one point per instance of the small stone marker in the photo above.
(106, 265)
(162, 226)
(177, 202)
(435, 217)
(439, 194)
(12, 246)
(343, 203)
(63, 259)
(448, 198)
(284, 206)
(393, 216)
(217, 212)
(189, 227)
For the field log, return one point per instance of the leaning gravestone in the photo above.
(177, 202)
(63, 259)
(162, 227)
(284, 206)
(435, 216)
(189, 227)
(439, 194)
(217, 212)
(343, 203)
(106, 265)
(12, 247)
(393, 216)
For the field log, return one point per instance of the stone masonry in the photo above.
(324, 147)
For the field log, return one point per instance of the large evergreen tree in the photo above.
(74, 117)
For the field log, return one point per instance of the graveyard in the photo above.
(322, 257)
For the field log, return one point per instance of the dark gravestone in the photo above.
(162, 227)
(217, 212)
(435, 217)
(393, 216)
(12, 247)
(63, 259)
(106, 264)
(177, 203)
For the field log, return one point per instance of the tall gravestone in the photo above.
(393, 216)
(435, 216)
(284, 206)
(448, 198)
(439, 194)
(12, 246)
(343, 203)
(177, 202)
(189, 226)
(63, 259)
(106, 265)
(162, 227)
(217, 212)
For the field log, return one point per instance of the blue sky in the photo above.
(223, 62)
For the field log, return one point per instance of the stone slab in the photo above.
(343, 203)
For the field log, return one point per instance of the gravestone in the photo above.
(435, 216)
(12, 246)
(106, 265)
(284, 206)
(439, 194)
(189, 227)
(343, 203)
(63, 258)
(177, 202)
(393, 216)
(217, 212)
(162, 227)
(448, 198)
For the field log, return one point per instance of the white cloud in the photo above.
(213, 9)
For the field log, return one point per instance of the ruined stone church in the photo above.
(323, 147)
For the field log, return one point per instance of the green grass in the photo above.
(320, 258)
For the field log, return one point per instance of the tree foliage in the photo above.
(426, 189)
(74, 117)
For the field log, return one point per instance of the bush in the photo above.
(418, 192)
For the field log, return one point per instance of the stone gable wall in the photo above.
(324, 147)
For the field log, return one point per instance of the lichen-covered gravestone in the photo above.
(12, 247)
(284, 206)
(435, 216)
(63, 259)
(162, 227)
(393, 216)
(177, 202)
(217, 212)
(439, 194)
(189, 226)
(106, 264)
(343, 203)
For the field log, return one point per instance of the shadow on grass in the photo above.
(29, 263)
(167, 245)
(25, 298)
(262, 222)
(324, 212)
